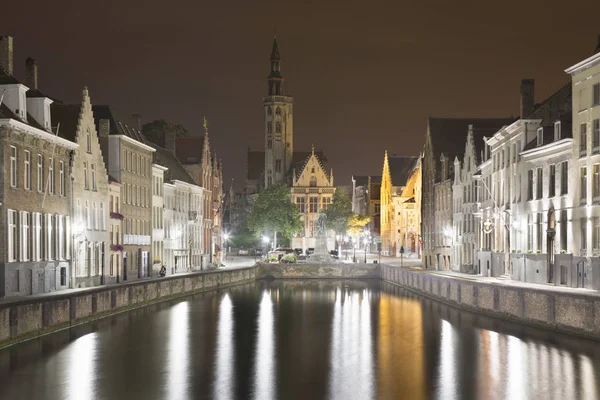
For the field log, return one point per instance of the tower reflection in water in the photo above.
(351, 354)
(224, 383)
(264, 358)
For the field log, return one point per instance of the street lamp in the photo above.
(354, 249)
(265, 240)
(366, 240)
(226, 237)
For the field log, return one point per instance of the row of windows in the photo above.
(92, 259)
(136, 195)
(584, 98)
(583, 138)
(86, 179)
(135, 163)
(136, 227)
(27, 173)
(36, 236)
(583, 178)
(277, 129)
(91, 214)
(313, 204)
(504, 158)
(277, 111)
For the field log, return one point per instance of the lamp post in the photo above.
(265, 240)
(346, 240)
(354, 249)
(366, 241)
(226, 237)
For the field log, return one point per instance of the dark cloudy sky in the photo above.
(364, 74)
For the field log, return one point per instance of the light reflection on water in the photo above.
(178, 354)
(264, 359)
(298, 340)
(225, 357)
(351, 354)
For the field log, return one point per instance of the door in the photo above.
(41, 282)
(124, 266)
(52, 280)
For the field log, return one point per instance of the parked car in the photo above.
(279, 252)
(310, 250)
(334, 254)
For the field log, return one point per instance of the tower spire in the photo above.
(275, 79)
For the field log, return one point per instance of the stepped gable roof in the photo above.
(556, 107)
(189, 149)
(300, 159)
(167, 159)
(256, 164)
(448, 135)
(67, 115)
(400, 168)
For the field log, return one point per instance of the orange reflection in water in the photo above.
(400, 349)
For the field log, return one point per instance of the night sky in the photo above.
(364, 75)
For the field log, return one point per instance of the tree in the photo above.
(273, 212)
(357, 223)
(157, 130)
(243, 238)
(339, 212)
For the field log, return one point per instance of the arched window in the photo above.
(269, 111)
(278, 111)
(313, 182)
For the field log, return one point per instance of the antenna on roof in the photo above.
(49, 172)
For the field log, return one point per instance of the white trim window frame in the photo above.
(27, 170)
(61, 179)
(40, 174)
(12, 236)
(13, 167)
(24, 239)
(51, 175)
(93, 172)
(37, 236)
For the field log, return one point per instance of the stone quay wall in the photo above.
(574, 313)
(318, 271)
(36, 316)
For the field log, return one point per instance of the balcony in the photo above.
(139, 240)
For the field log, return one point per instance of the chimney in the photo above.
(104, 127)
(6, 53)
(31, 73)
(527, 97)
(170, 140)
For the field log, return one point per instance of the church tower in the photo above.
(279, 131)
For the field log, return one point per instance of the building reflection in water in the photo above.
(177, 376)
(224, 382)
(81, 373)
(400, 348)
(264, 359)
(513, 368)
(449, 367)
(351, 354)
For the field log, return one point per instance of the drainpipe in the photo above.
(74, 253)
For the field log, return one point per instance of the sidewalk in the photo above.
(67, 292)
(498, 281)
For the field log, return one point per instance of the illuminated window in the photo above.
(13, 166)
(313, 205)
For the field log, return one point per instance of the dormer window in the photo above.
(557, 130)
(540, 136)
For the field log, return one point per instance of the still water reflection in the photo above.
(301, 340)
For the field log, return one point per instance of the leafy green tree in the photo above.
(339, 212)
(273, 212)
(157, 130)
(243, 238)
(357, 223)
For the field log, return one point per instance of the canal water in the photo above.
(302, 340)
